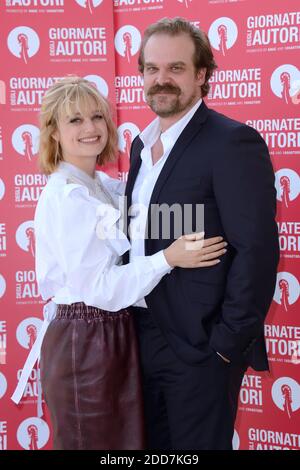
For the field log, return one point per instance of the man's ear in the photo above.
(201, 75)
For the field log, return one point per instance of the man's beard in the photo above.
(170, 108)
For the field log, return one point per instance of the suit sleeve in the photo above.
(243, 180)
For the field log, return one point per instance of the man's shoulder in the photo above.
(221, 120)
(229, 127)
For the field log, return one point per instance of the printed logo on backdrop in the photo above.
(25, 93)
(99, 83)
(27, 292)
(23, 42)
(287, 183)
(26, 6)
(283, 343)
(3, 339)
(286, 395)
(289, 239)
(130, 92)
(223, 34)
(251, 394)
(126, 6)
(78, 44)
(235, 87)
(30, 395)
(27, 331)
(2, 189)
(271, 439)
(3, 386)
(287, 290)
(89, 5)
(3, 435)
(273, 32)
(235, 441)
(285, 83)
(33, 433)
(2, 286)
(282, 135)
(28, 188)
(25, 140)
(25, 237)
(185, 3)
(3, 239)
(127, 41)
(127, 132)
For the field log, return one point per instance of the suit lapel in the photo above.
(179, 148)
(136, 161)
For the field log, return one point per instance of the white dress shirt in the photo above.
(147, 177)
(78, 245)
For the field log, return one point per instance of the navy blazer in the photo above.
(224, 165)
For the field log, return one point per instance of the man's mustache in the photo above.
(164, 89)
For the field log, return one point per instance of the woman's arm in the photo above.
(89, 264)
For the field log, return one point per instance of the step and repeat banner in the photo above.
(256, 45)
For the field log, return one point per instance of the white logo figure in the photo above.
(286, 395)
(99, 83)
(25, 140)
(27, 331)
(185, 2)
(223, 34)
(33, 433)
(127, 132)
(89, 4)
(3, 385)
(287, 290)
(2, 189)
(235, 441)
(127, 41)
(23, 42)
(285, 83)
(25, 237)
(287, 183)
(2, 286)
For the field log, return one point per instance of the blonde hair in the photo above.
(64, 96)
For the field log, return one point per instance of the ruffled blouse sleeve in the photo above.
(88, 243)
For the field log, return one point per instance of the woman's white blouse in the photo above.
(79, 244)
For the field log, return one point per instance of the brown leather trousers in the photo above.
(91, 380)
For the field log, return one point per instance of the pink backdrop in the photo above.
(256, 45)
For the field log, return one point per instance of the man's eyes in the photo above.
(174, 68)
(151, 69)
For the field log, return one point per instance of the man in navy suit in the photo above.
(199, 329)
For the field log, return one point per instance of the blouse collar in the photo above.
(71, 170)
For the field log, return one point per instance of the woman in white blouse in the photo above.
(89, 364)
